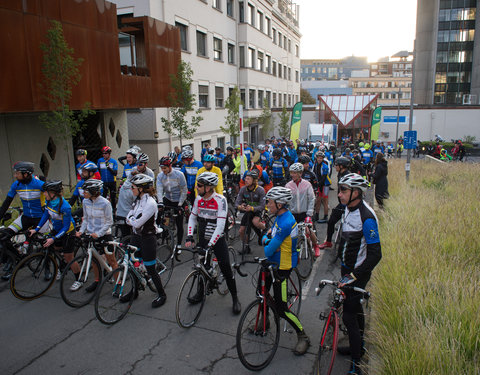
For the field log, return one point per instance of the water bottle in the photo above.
(214, 269)
(24, 248)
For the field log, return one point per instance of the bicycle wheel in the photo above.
(80, 297)
(305, 258)
(257, 337)
(191, 299)
(338, 240)
(221, 282)
(232, 227)
(294, 292)
(164, 265)
(327, 350)
(33, 276)
(167, 237)
(115, 296)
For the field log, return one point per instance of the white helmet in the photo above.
(143, 158)
(261, 147)
(317, 144)
(142, 180)
(296, 167)
(187, 154)
(132, 151)
(186, 148)
(208, 178)
(279, 194)
(354, 180)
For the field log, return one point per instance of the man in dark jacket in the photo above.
(380, 179)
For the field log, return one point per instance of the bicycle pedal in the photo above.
(322, 316)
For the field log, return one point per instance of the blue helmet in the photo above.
(209, 157)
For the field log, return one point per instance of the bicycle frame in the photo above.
(92, 252)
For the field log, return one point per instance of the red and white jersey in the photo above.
(211, 215)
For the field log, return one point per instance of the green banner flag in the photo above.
(296, 121)
(376, 117)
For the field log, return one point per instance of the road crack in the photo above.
(208, 369)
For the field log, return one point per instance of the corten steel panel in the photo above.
(96, 41)
(12, 4)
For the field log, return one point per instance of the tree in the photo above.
(266, 120)
(306, 98)
(181, 102)
(284, 126)
(61, 74)
(232, 126)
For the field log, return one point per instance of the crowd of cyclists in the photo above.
(290, 179)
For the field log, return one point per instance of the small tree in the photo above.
(232, 126)
(266, 120)
(61, 74)
(182, 101)
(306, 98)
(284, 126)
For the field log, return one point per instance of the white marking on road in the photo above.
(309, 282)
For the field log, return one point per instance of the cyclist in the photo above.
(190, 169)
(141, 167)
(251, 201)
(303, 202)
(142, 218)
(131, 155)
(361, 252)
(292, 153)
(322, 171)
(389, 150)
(263, 179)
(248, 152)
(89, 171)
(278, 168)
(210, 211)
(264, 158)
(219, 156)
(309, 176)
(125, 202)
(81, 155)
(237, 161)
(122, 159)
(172, 191)
(281, 247)
(59, 212)
(342, 165)
(97, 221)
(208, 166)
(108, 172)
(176, 163)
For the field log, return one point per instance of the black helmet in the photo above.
(277, 152)
(253, 174)
(91, 167)
(230, 148)
(304, 159)
(93, 186)
(81, 151)
(53, 185)
(24, 167)
(343, 161)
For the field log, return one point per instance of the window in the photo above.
(230, 4)
(274, 68)
(230, 91)
(183, 36)
(221, 142)
(269, 98)
(279, 99)
(251, 13)
(284, 42)
(274, 35)
(231, 53)
(297, 50)
(251, 98)
(280, 39)
(217, 4)
(289, 74)
(296, 75)
(285, 99)
(279, 70)
(260, 98)
(251, 58)
(219, 97)
(260, 61)
(274, 99)
(289, 45)
(242, 96)
(217, 49)
(289, 100)
(268, 64)
(242, 56)
(201, 44)
(241, 11)
(203, 96)
(260, 21)
(269, 25)
(284, 72)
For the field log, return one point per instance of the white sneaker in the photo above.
(75, 286)
(59, 275)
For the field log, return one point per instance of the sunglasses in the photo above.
(200, 185)
(344, 188)
(141, 164)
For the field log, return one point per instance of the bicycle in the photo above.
(325, 363)
(305, 251)
(249, 235)
(337, 239)
(207, 277)
(35, 274)
(167, 218)
(118, 289)
(258, 330)
(14, 249)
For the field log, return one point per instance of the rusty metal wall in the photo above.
(90, 28)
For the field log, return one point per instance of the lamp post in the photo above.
(410, 120)
(398, 117)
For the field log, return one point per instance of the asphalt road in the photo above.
(45, 336)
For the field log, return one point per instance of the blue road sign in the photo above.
(410, 139)
(393, 119)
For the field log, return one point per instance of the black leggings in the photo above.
(336, 215)
(148, 250)
(111, 187)
(178, 219)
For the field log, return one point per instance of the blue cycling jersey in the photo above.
(278, 167)
(78, 192)
(190, 172)
(79, 167)
(282, 249)
(249, 153)
(60, 214)
(127, 169)
(378, 149)
(106, 175)
(30, 195)
(264, 159)
(218, 159)
(367, 155)
(293, 155)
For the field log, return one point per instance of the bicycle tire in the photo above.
(338, 240)
(305, 258)
(79, 297)
(110, 309)
(257, 346)
(294, 292)
(232, 227)
(167, 237)
(187, 313)
(327, 350)
(33, 276)
(222, 288)
(164, 268)
(11, 260)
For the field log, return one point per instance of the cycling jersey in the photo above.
(249, 153)
(279, 168)
(367, 155)
(292, 153)
(322, 172)
(254, 198)
(309, 176)
(390, 149)
(282, 249)
(79, 167)
(219, 187)
(60, 214)
(237, 161)
(143, 215)
(178, 165)
(264, 159)
(30, 195)
(190, 171)
(97, 216)
(303, 197)
(173, 185)
(219, 159)
(378, 149)
(211, 215)
(108, 169)
(127, 169)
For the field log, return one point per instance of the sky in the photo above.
(333, 29)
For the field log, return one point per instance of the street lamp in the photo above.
(398, 115)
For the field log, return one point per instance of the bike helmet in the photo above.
(322, 147)
(142, 180)
(135, 147)
(187, 148)
(187, 154)
(296, 167)
(209, 158)
(320, 154)
(230, 148)
(304, 159)
(24, 167)
(367, 146)
(93, 186)
(165, 162)
(172, 155)
(354, 180)
(261, 147)
(279, 194)
(132, 151)
(91, 167)
(317, 144)
(347, 150)
(237, 147)
(208, 178)
(361, 144)
(342, 161)
(211, 151)
(277, 152)
(253, 174)
(81, 151)
(53, 185)
(143, 158)
(106, 149)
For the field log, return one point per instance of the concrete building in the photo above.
(327, 87)
(331, 69)
(447, 65)
(389, 88)
(253, 44)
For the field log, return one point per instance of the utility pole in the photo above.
(410, 120)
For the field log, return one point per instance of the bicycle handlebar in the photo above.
(88, 237)
(264, 262)
(335, 284)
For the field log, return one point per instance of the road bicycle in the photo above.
(251, 232)
(305, 251)
(205, 278)
(258, 330)
(325, 363)
(14, 249)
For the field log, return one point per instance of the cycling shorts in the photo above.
(323, 191)
(248, 216)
